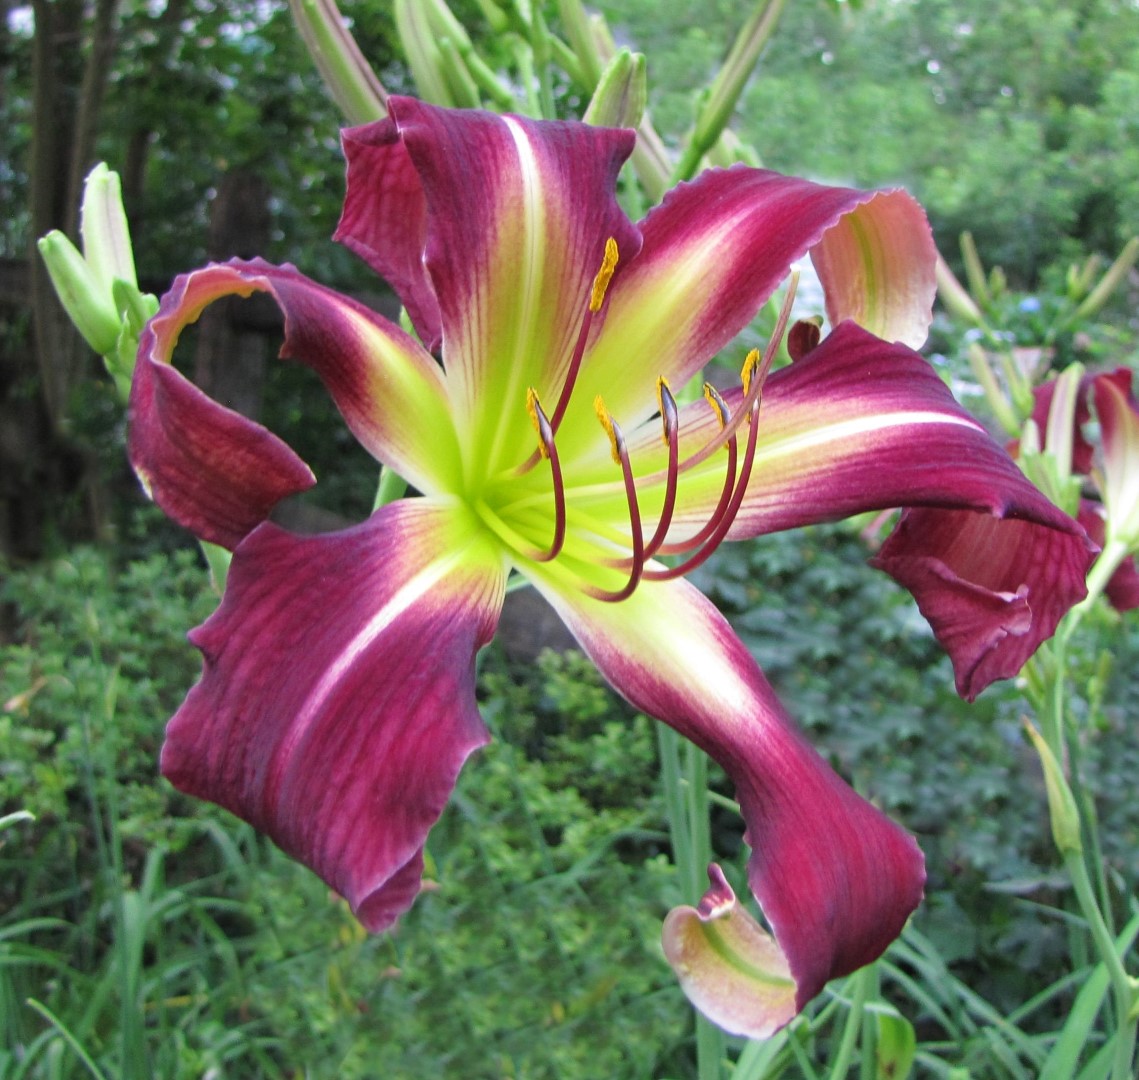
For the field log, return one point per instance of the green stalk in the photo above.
(540, 42)
(850, 1030)
(392, 486)
(1125, 990)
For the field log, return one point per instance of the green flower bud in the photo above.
(87, 300)
(621, 94)
(1061, 803)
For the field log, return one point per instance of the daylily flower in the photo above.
(1118, 415)
(337, 701)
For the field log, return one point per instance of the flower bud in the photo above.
(1118, 416)
(347, 75)
(998, 401)
(87, 302)
(725, 91)
(1061, 803)
(1110, 281)
(103, 227)
(621, 94)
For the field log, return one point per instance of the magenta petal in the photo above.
(384, 220)
(218, 473)
(836, 878)
(992, 588)
(337, 702)
(212, 470)
(518, 215)
(718, 247)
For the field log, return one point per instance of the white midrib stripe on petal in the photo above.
(528, 306)
(849, 429)
(398, 604)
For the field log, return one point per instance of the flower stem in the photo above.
(392, 486)
(862, 981)
(1125, 990)
(1122, 985)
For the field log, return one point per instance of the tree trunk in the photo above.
(50, 478)
(230, 360)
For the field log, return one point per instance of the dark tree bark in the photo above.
(45, 466)
(230, 360)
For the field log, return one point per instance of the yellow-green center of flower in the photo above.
(543, 517)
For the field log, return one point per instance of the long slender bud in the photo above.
(349, 77)
(1061, 803)
(87, 303)
(1110, 281)
(725, 91)
(955, 296)
(974, 271)
(996, 397)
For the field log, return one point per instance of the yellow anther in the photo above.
(719, 406)
(610, 428)
(534, 408)
(601, 282)
(751, 362)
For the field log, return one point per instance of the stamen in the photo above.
(751, 362)
(541, 424)
(611, 429)
(604, 275)
(720, 407)
(621, 456)
(670, 420)
(548, 450)
(596, 299)
(754, 374)
(721, 520)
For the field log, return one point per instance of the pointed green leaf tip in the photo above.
(728, 966)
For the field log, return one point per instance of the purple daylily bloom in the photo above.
(337, 702)
(1118, 414)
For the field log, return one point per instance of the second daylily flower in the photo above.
(337, 701)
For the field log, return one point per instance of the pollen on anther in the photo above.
(604, 275)
(718, 404)
(538, 419)
(751, 363)
(611, 429)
